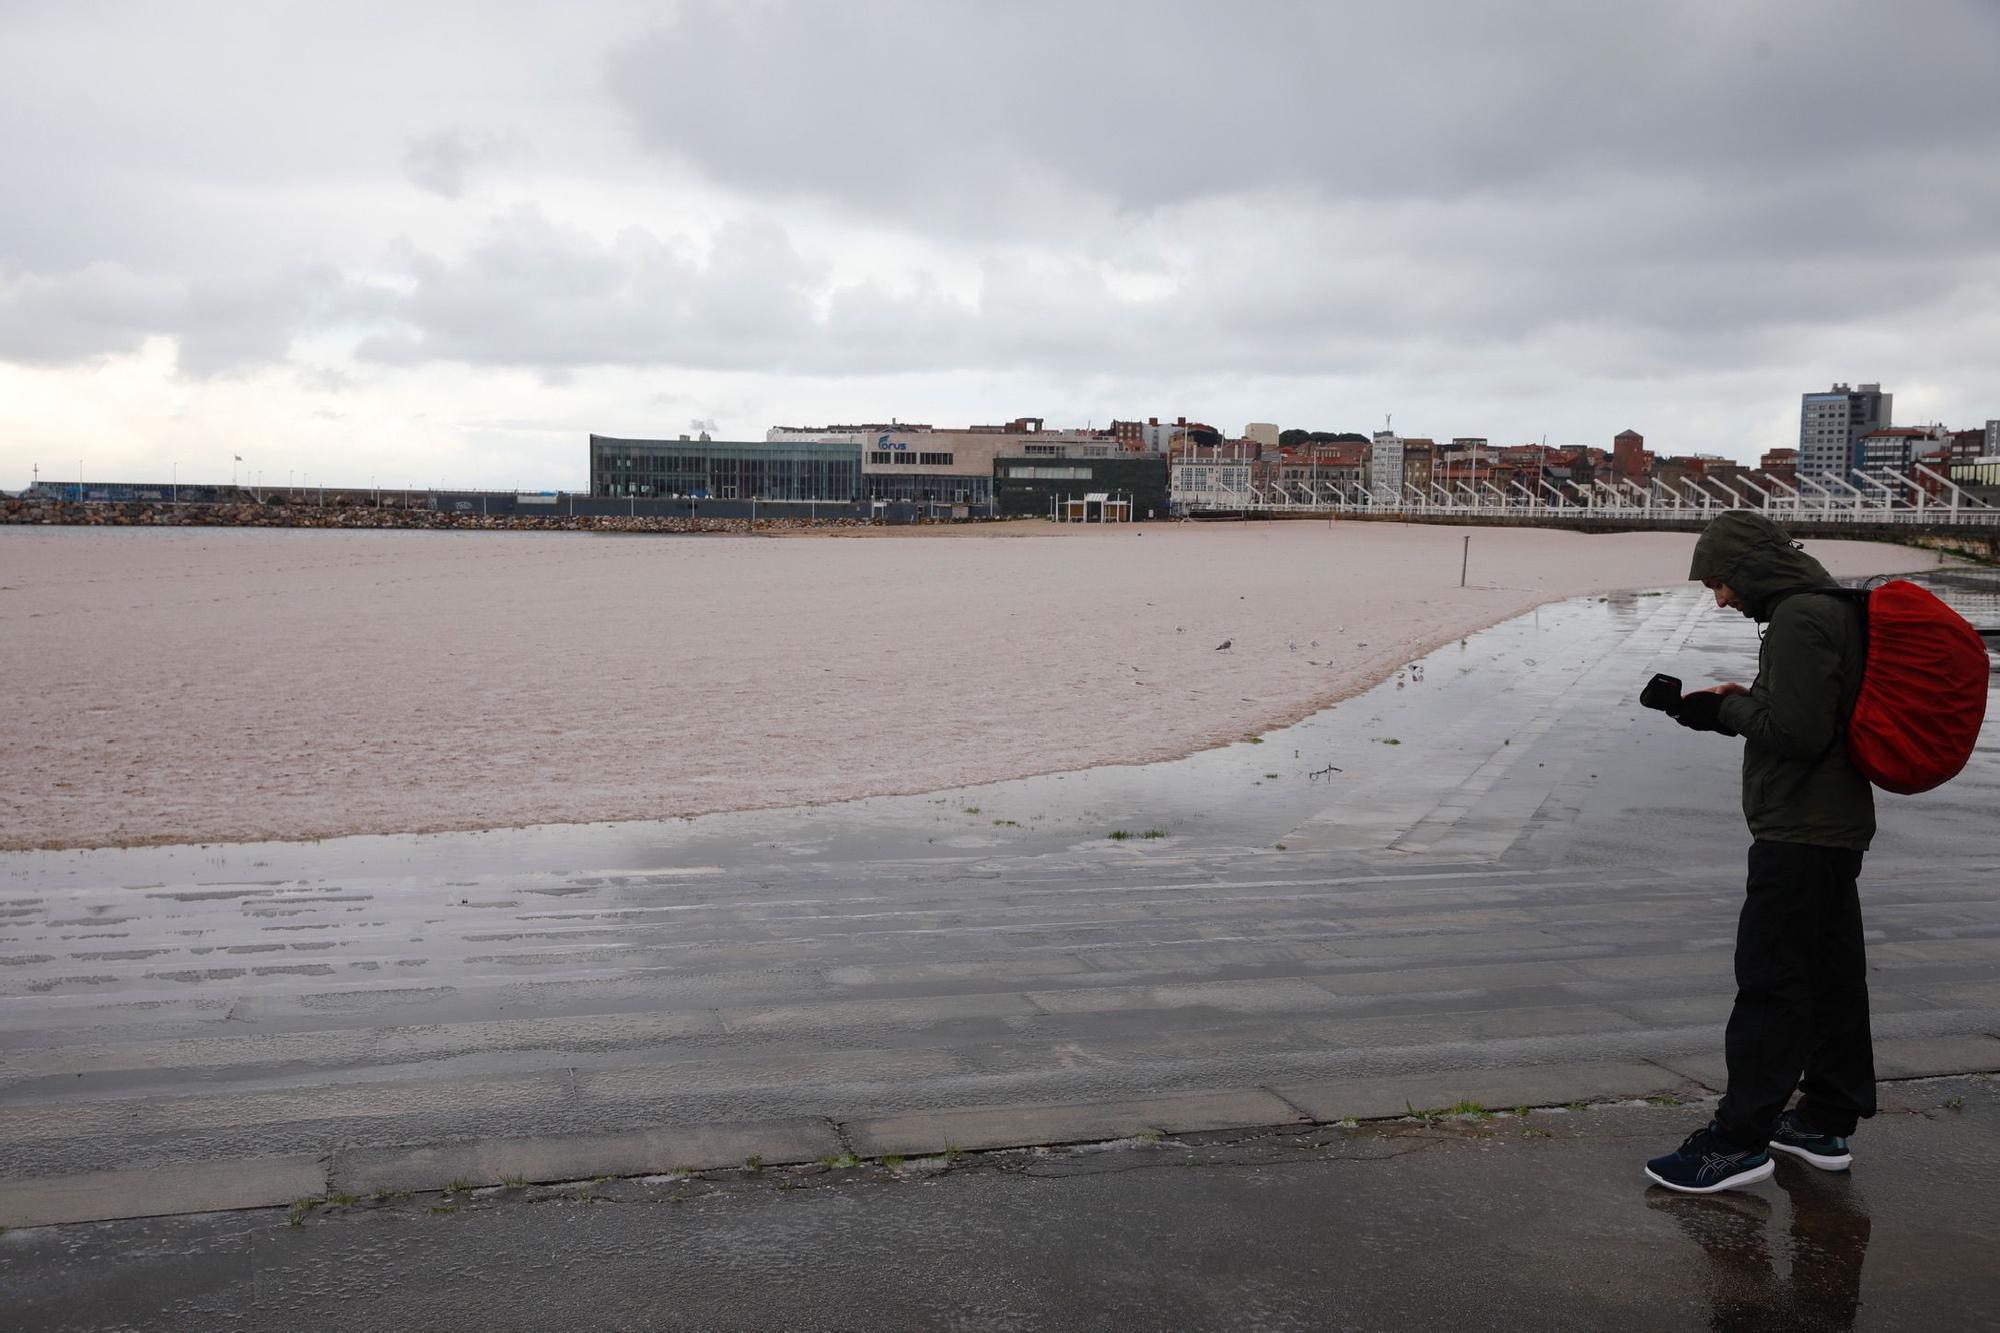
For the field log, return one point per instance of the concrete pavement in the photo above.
(1493, 878)
(1478, 1221)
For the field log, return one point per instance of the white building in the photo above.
(1265, 433)
(1385, 463)
(1209, 483)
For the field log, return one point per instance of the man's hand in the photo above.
(1702, 710)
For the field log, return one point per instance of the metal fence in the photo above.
(1875, 501)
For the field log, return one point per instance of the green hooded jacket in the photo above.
(1798, 784)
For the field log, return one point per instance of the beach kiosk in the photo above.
(1095, 507)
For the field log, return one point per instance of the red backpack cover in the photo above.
(1923, 691)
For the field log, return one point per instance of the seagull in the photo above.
(1224, 644)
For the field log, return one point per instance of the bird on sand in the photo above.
(1224, 644)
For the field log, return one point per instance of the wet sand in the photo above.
(235, 685)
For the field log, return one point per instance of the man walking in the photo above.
(1801, 1015)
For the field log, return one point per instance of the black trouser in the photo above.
(1801, 1015)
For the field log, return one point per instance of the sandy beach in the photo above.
(207, 685)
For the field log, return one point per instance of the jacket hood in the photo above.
(1754, 556)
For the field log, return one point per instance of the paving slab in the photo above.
(1934, 1056)
(1545, 1085)
(494, 1161)
(159, 1191)
(1011, 1126)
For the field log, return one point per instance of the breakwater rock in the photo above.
(146, 514)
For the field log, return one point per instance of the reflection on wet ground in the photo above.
(1820, 1287)
(1494, 860)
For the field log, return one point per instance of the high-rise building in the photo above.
(1385, 462)
(1832, 423)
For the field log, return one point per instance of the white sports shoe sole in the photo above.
(1735, 1182)
(1820, 1160)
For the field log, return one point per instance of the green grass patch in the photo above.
(1118, 835)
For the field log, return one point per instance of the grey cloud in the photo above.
(1465, 171)
(442, 161)
(892, 104)
(242, 323)
(1269, 287)
(96, 311)
(537, 294)
(221, 324)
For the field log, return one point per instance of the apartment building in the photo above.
(1831, 425)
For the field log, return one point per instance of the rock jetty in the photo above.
(150, 514)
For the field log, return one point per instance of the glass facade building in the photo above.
(724, 470)
(930, 488)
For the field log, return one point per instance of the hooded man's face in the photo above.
(1725, 595)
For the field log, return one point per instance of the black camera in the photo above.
(1662, 693)
(1697, 712)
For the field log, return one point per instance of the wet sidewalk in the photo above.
(1491, 879)
(1502, 1221)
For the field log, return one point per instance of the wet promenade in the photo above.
(1493, 879)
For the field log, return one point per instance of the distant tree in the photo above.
(1295, 438)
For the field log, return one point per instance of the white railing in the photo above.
(1892, 500)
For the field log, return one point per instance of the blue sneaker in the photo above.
(1707, 1162)
(1828, 1152)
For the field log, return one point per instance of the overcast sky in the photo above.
(442, 242)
